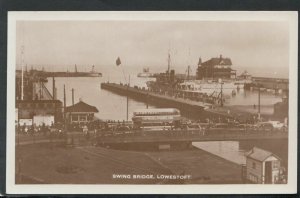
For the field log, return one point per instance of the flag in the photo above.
(118, 61)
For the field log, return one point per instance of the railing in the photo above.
(190, 135)
(133, 136)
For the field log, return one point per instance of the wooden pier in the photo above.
(187, 107)
(184, 105)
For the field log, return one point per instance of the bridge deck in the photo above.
(190, 136)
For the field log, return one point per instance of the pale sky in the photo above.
(261, 48)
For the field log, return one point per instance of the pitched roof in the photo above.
(217, 61)
(81, 107)
(260, 154)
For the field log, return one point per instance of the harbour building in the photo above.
(80, 113)
(263, 167)
(216, 68)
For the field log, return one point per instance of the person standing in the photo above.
(85, 130)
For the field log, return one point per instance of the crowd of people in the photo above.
(44, 129)
(99, 126)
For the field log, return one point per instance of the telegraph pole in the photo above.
(65, 103)
(258, 100)
(127, 97)
(53, 87)
(72, 96)
(22, 80)
(147, 98)
(221, 94)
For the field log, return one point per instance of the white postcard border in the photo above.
(291, 187)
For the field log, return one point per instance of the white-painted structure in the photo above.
(25, 122)
(39, 120)
(262, 167)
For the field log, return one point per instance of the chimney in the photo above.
(199, 62)
(221, 56)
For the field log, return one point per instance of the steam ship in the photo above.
(92, 73)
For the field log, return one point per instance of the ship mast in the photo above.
(169, 65)
(188, 70)
(189, 67)
(169, 61)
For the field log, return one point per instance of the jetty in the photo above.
(190, 108)
(143, 95)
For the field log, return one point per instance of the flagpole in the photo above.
(124, 74)
(118, 62)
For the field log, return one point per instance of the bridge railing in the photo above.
(213, 134)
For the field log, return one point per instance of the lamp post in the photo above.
(258, 85)
(128, 85)
(221, 82)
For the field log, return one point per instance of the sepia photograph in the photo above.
(179, 100)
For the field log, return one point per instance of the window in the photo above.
(74, 117)
(82, 118)
(253, 165)
(275, 164)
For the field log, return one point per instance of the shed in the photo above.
(262, 167)
(81, 113)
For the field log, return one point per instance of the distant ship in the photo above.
(145, 74)
(92, 73)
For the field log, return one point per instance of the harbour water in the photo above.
(113, 107)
